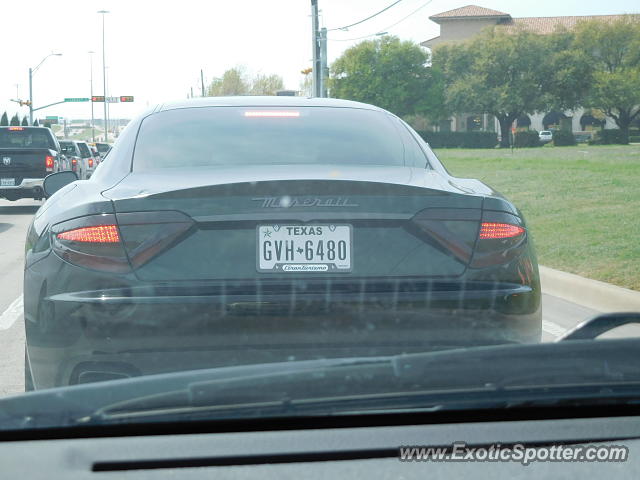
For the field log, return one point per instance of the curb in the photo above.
(593, 294)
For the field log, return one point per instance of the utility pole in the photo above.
(202, 81)
(324, 67)
(315, 37)
(191, 93)
(104, 80)
(31, 96)
(93, 124)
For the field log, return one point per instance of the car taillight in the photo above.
(116, 245)
(48, 163)
(74, 161)
(501, 237)
(493, 230)
(90, 162)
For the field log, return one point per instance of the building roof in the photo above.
(469, 11)
(547, 25)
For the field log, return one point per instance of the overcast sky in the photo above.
(155, 50)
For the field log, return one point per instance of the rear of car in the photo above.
(27, 155)
(71, 151)
(545, 136)
(89, 163)
(255, 233)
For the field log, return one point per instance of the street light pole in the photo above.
(104, 79)
(32, 71)
(93, 126)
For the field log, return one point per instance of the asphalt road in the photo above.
(558, 315)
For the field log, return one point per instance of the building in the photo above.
(464, 23)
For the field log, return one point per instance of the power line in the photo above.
(382, 29)
(365, 19)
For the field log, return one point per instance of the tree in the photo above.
(14, 120)
(233, 82)
(4, 121)
(613, 49)
(266, 84)
(25, 122)
(36, 123)
(389, 73)
(509, 74)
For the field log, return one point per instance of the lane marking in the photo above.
(553, 328)
(11, 314)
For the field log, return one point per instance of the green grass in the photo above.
(582, 203)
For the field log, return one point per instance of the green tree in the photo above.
(36, 123)
(4, 121)
(25, 122)
(266, 84)
(389, 73)
(511, 74)
(613, 49)
(233, 82)
(14, 120)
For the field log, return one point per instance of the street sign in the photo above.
(126, 98)
(97, 98)
(76, 99)
(112, 99)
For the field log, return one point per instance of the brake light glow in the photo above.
(490, 230)
(97, 234)
(91, 163)
(273, 113)
(16, 129)
(74, 161)
(48, 163)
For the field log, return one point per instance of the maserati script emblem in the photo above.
(6, 160)
(291, 202)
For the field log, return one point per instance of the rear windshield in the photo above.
(102, 147)
(228, 136)
(68, 148)
(84, 150)
(26, 138)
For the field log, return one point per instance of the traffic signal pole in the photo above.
(315, 37)
(30, 96)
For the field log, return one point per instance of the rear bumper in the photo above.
(145, 330)
(28, 187)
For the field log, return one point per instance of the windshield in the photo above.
(24, 138)
(268, 136)
(318, 209)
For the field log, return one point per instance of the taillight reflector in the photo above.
(490, 230)
(48, 161)
(97, 234)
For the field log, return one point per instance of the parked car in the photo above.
(27, 155)
(310, 228)
(89, 162)
(71, 150)
(545, 136)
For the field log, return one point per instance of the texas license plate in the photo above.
(7, 182)
(304, 248)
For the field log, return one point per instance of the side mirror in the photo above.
(54, 182)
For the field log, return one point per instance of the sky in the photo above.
(155, 50)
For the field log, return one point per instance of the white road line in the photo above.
(11, 314)
(553, 328)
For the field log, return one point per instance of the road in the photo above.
(558, 315)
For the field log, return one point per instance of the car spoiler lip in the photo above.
(585, 360)
(317, 289)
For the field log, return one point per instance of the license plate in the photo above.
(304, 248)
(7, 182)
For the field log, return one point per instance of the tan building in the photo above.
(464, 23)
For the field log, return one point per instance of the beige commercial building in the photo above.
(464, 23)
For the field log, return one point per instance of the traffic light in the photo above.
(306, 71)
(97, 98)
(24, 103)
(126, 98)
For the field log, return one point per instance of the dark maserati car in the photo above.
(249, 230)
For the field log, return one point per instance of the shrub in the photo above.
(609, 137)
(634, 139)
(527, 138)
(562, 138)
(460, 139)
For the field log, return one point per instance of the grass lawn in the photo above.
(582, 203)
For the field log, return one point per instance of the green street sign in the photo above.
(52, 117)
(77, 99)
